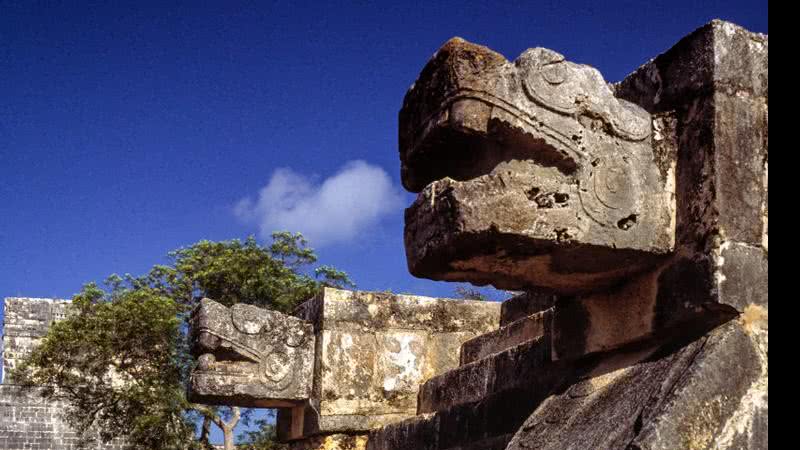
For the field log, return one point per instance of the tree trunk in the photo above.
(228, 433)
(227, 428)
(205, 433)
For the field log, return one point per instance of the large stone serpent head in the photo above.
(530, 173)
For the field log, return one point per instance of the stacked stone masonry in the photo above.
(27, 421)
(634, 217)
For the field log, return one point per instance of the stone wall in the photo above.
(26, 420)
(376, 349)
(25, 322)
(673, 353)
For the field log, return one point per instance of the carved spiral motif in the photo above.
(275, 367)
(609, 188)
(249, 319)
(295, 337)
(551, 81)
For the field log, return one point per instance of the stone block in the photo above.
(249, 356)
(716, 82)
(331, 442)
(416, 433)
(530, 328)
(711, 393)
(525, 304)
(717, 57)
(468, 383)
(531, 174)
(708, 93)
(25, 322)
(526, 364)
(374, 350)
(489, 421)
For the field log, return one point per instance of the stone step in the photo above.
(466, 427)
(526, 366)
(525, 304)
(487, 424)
(526, 329)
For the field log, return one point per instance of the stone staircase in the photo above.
(503, 376)
(642, 203)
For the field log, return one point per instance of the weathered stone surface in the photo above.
(711, 393)
(720, 267)
(331, 442)
(249, 356)
(719, 56)
(527, 364)
(480, 422)
(465, 427)
(716, 81)
(628, 378)
(525, 304)
(743, 276)
(721, 111)
(677, 299)
(25, 322)
(417, 433)
(532, 174)
(523, 330)
(374, 350)
(26, 420)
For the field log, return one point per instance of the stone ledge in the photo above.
(523, 330)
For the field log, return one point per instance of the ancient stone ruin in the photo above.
(632, 215)
(26, 420)
(347, 363)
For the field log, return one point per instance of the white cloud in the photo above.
(344, 205)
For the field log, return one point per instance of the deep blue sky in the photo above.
(128, 131)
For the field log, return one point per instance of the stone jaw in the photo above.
(248, 356)
(531, 174)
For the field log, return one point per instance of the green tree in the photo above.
(262, 438)
(120, 360)
(488, 293)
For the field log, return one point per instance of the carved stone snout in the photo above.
(249, 356)
(531, 173)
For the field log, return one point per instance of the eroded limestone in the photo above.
(374, 350)
(531, 173)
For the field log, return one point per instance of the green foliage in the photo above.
(116, 362)
(243, 272)
(120, 360)
(469, 292)
(262, 438)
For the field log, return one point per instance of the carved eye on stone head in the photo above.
(249, 319)
(555, 73)
(545, 71)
